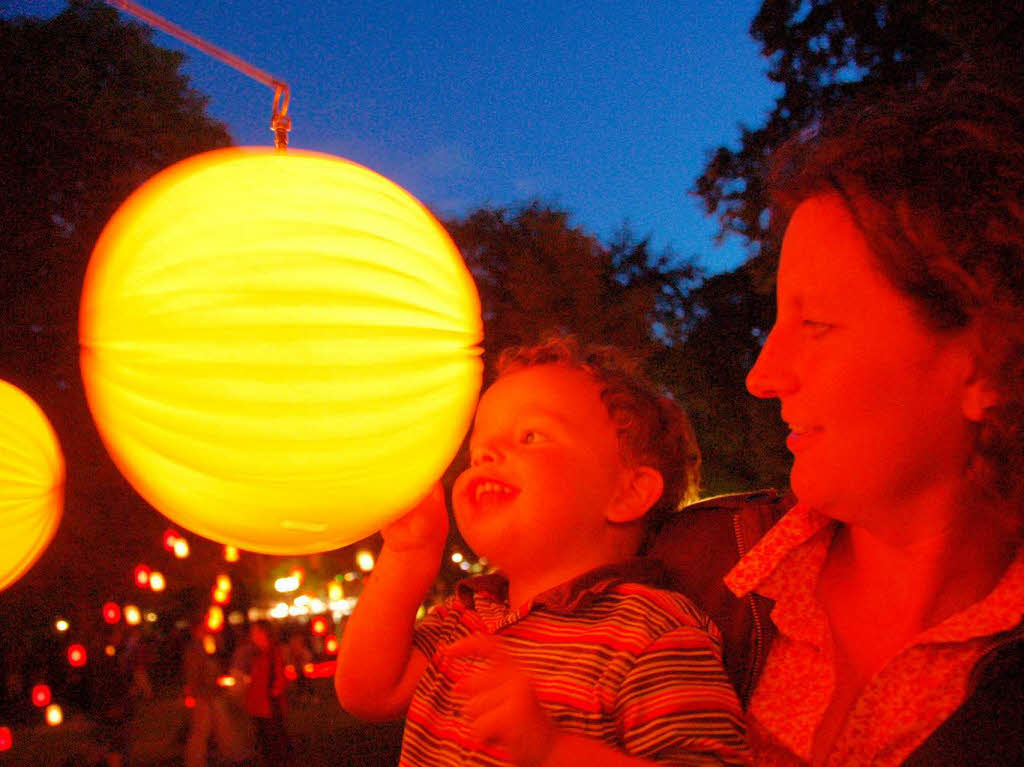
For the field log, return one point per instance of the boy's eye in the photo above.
(530, 436)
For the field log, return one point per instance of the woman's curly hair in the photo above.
(934, 177)
(653, 429)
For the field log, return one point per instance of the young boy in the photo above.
(571, 651)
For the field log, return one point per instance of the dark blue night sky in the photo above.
(607, 109)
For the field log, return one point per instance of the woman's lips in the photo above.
(800, 438)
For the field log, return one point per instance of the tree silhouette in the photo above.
(537, 274)
(92, 109)
(825, 52)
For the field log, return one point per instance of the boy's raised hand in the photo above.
(502, 707)
(423, 529)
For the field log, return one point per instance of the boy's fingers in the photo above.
(482, 702)
(482, 646)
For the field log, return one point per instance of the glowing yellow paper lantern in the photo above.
(31, 483)
(279, 349)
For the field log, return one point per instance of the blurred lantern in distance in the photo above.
(331, 644)
(31, 483)
(214, 619)
(6, 739)
(181, 549)
(76, 655)
(142, 576)
(223, 582)
(280, 350)
(230, 553)
(54, 715)
(157, 581)
(61, 625)
(364, 560)
(132, 615)
(170, 538)
(40, 695)
(111, 612)
(335, 592)
(319, 625)
(220, 596)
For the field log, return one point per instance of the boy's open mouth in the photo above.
(485, 488)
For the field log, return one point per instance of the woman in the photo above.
(898, 357)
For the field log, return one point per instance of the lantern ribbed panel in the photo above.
(279, 350)
(31, 483)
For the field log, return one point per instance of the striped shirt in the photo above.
(610, 656)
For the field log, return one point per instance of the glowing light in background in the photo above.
(141, 576)
(6, 739)
(111, 612)
(286, 585)
(280, 350)
(364, 560)
(156, 581)
(169, 539)
(331, 644)
(209, 645)
(226, 680)
(319, 625)
(335, 593)
(76, 655)
(54, 715)
(181, 549)
(457, 557)
(214, 619)
(110, 651)
(231, 553)
(132, 615)
(41, 695)
(61, 625)
(31, 483)
(219, 596)
(223, 582)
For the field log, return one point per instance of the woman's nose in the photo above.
(772, 374)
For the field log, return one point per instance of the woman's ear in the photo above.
(979, 394)
(641, 488)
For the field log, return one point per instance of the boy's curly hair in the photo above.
(653, 428)
(934, 178)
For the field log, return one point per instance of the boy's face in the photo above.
(545, 467)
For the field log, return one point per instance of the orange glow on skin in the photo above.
(245, 282)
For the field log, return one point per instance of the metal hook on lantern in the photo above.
(280, 122)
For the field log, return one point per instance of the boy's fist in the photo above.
(423, 529)
(502, 707)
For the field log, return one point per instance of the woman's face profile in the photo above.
(874, 398)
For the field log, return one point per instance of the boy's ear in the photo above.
(642, 487)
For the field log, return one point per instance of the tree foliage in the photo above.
(825, 52)
(92, 109)
(538, 274)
